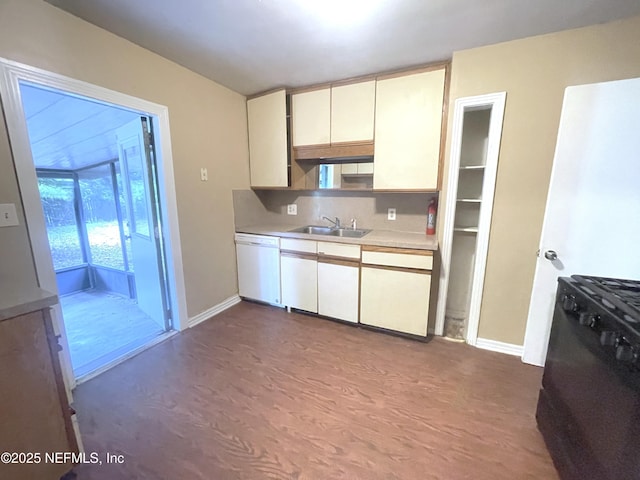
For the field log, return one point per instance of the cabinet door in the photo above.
(395, 299)
(299, 281)
(349, 168)
(34, 406)
(338, 287)
(352, 112)
(267, 123)
(365, 168)
(311, 117)
(407, 131)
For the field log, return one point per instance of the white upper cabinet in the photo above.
(334, 115)
(267, 123)
(408, 123)
(311, 117)
(365, 168)
(352, 112)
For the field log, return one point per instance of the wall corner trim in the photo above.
(215, 310)
(500, 347)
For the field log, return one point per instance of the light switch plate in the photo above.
(292, 209)
(8, 215)
(391, 214)
(204, 175)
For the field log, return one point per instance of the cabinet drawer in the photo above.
(420, 260)
(339, 250)
(297, 245)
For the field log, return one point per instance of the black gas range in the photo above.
(589, 404)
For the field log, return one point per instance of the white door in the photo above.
(136, 165)
(592, 218)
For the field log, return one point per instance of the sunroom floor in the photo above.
(103, 326)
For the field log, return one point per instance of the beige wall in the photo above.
(208, 129)
(534, 72)
(16, 262)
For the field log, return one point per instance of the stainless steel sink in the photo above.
(331, 232)
(313, 229)
(349, 233)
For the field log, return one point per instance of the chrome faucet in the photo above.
(336, 222)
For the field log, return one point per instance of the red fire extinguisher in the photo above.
(431, 217)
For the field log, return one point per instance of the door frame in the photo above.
(11, 73)
(496, 102)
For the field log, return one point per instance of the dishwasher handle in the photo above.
(257, 240)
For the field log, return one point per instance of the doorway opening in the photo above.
(471, 176)
(98, 188)
(475, 144)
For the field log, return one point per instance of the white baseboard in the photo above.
(500, 347)
(215, 310)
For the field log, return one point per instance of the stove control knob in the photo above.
(608, 338)
(588, 319)
(569, 303)
(624, 353)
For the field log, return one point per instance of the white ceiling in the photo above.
(68, 132)
(256, 45)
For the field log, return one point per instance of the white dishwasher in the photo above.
(259, 267)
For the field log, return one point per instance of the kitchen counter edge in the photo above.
(378, 238)
(16, 301)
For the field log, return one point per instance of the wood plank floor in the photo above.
(103, 326)
(258, 393)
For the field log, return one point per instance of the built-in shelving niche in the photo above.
(473, 165)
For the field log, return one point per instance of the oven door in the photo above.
(589, 401)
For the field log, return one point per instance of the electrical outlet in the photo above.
(391, 214)
(204, 175)
(8, 216)
(292, 209)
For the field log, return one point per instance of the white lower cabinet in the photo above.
(299, 282)
(382, 287)
(393, 296)
(299, 274)
(338, 289)
(338, 280)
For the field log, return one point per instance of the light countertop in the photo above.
(380, 238)
(19, 301)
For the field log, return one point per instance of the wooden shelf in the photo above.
(466, 229)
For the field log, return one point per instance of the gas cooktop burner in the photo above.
(623, 295)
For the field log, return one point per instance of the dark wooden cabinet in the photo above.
(35, 416)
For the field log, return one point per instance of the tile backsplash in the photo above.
(368, 208)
